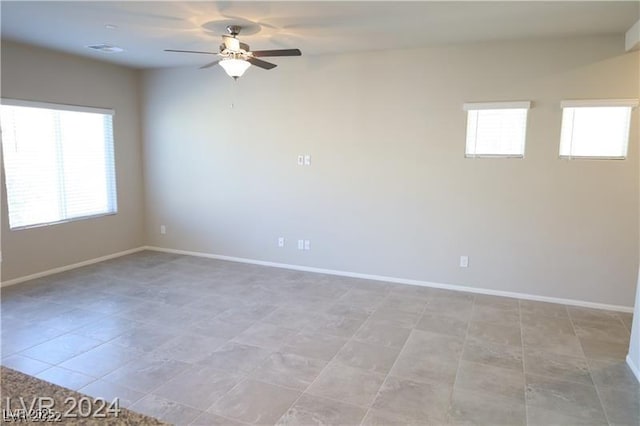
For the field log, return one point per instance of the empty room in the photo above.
(320, 212)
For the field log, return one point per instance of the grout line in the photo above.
(302, 392)
(524, 365)
(604, 411)
(464, 342)
(424, 308)
(334, 357)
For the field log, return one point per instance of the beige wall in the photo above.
(37, 74)
(389, 191)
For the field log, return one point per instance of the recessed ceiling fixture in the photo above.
(106, 48)
(110, 26)
(237, 57)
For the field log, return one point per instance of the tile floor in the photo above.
(198, 341)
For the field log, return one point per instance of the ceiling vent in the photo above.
(106, 48)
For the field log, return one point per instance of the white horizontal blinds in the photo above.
(61, 107)
(595, 129)
(496, 129)
(86, 156)
(58, 163)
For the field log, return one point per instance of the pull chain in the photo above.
(234, 92)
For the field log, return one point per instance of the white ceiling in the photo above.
(145, 28)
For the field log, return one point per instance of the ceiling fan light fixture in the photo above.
(234, 67)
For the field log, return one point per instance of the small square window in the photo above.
(595, 129)
(496, 129)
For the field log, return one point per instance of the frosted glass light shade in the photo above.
(235, 67)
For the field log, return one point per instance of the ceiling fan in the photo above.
(237, 57)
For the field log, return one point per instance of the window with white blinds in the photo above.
(596, 128)
(58, 162)
(496, 129)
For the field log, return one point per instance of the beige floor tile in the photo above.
(421, 402)
(382, 335)
(615, 374)
(560, 343)
(347, 384)
(565, 398)
(25, 364)
(626, 318)
(561, 367)
(111, 391)
(411, 305)
(236, 357)
(378, 359)
(315, 345)
(252, 401)
(615, 331)
(265, 335)
(429, 357)
(503, 356)
(543, 309)
(65, 378)
(146, 373)
(377, 417)
(257, 342)
(165, 410)
(210, 419)
(604, 350)
(621, 405)
(289, 370)
(394, 317)
(197, 387)
(336, 325)
(471, 408)
(495, 314)
(537, 416)
(489, 381)
(313, 410)
(507, 334)
(594, 315)
(61, 348)
(448, 325)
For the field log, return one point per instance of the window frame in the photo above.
(596, 103)
(113, 203)
(479, 106)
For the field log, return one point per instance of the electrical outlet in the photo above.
(300, 244)
(464, 261)
(281, 242)
(307, 245)
(163, 229)
(307, 160)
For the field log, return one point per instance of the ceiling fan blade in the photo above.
(190, 51)
(244, 46)
(210, 64)
(231, 43)
(261, 64)
(277, 52)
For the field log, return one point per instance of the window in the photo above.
(496, 129)
(595, 129)
(58, 162)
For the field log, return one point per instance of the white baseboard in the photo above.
(69, 267)
(454, 287)
(634, 368)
